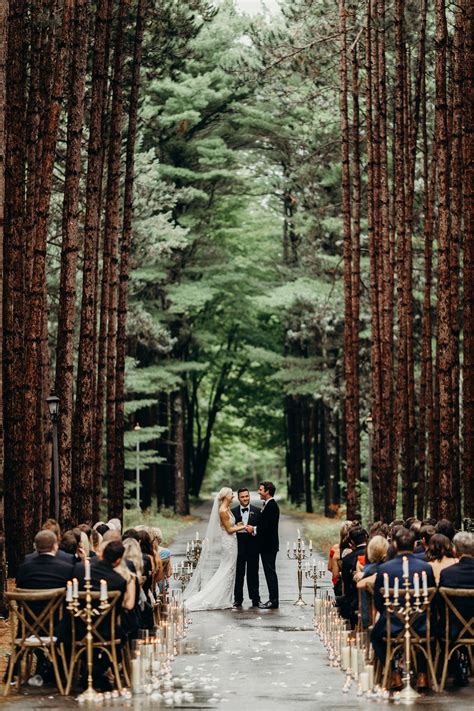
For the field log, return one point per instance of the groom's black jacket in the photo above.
(245, 542)
(267, 531)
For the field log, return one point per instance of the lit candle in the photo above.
(424, 581)
(103, 591)
(395, 588)
(311, 547)
(345, 657)
(299, 534)
(197, 535)
(75, 588)
(369, 668)
(318, 604)
(386, 588)
(364, 681)
(187, 547)
(87, 569)
(294, 546)
(355, 660)
(69, 591)
(302, 545)
(136, 675)
(405, 567)
(288, 545)
(416, 583)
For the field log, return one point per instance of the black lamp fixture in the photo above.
(53, 405)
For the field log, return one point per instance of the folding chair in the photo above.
(102, 639)
(32, 629)
(420, 642)
(452, 614)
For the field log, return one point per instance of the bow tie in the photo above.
(244, 510)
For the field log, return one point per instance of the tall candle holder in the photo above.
(87, 614)
(299, 554)
(183, 572)
(407, 613)
(315, 571)
(193, 550)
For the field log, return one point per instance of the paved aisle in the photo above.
(254, 659)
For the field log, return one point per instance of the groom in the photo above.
(247, 555)
(266, 533)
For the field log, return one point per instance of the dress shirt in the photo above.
(245, 514)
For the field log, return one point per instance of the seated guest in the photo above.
(440, 554)
(446, 528)
(95, 541)
(426, 532)
(114, 524)
(416, 529)
(132, 621)
(86, 532)
(101, 528)
(460, 576)
(348, 601)
(52, 525)
(45, 570)
(70, 543)
(162, 555)
(404, 542)
(335, 556)
(376, 555)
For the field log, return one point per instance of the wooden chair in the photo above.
(33, 628)
(420, 642)
(106, 641)
(451, 613)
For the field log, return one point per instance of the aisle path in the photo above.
(263, 660)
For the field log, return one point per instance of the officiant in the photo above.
(248, 551)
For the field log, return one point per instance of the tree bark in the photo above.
(69, 254)
(181, 506)
(125, 266)
(3, 69)
(468, 265)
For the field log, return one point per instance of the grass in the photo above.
(169, 523)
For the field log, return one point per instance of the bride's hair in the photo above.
(225, 491)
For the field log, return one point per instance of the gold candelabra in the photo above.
(315, 571)
(193, 550)
(183, 572)
(407, 612)
(299, 554)
(87, 614)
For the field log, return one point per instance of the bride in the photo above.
(212, 585)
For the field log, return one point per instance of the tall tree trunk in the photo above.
(351, 414)
(125, 267)
(3, 68)
(14, 281)
(181, 499)
(69, 253)
(468, 265)
(444, 342)
(307, 429)
(86, 479)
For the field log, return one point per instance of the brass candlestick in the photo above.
(299, 554)
(183, 572)
(407, 613)
(87, 613)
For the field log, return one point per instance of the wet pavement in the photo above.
(266, 660)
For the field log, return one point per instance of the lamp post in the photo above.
(137, 429)
(53, 407)
(370, 433)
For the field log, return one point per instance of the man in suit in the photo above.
(347, 602)
(267, 538)
(52, 525)
(404, 541)
(44, 570)
(247, 556)
(421, 546)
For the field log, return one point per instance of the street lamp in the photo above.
(137, 429)
(53, 406)
(369, 423)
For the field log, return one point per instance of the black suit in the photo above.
(60, 555)
(268, 543)
(348, 601)
(459, 575)
(247, 557)
(43, 572)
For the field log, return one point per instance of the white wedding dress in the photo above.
(212, 584)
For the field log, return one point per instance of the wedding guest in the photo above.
(426, 532)
(52, 525)
(440, 554)
(404, 542)
(95, 541)
(45, 571)
(446, 528)
(348, 601)
(377, 548)
(335, 556)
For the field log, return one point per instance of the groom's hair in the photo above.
(268, 486)
(244, 488)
